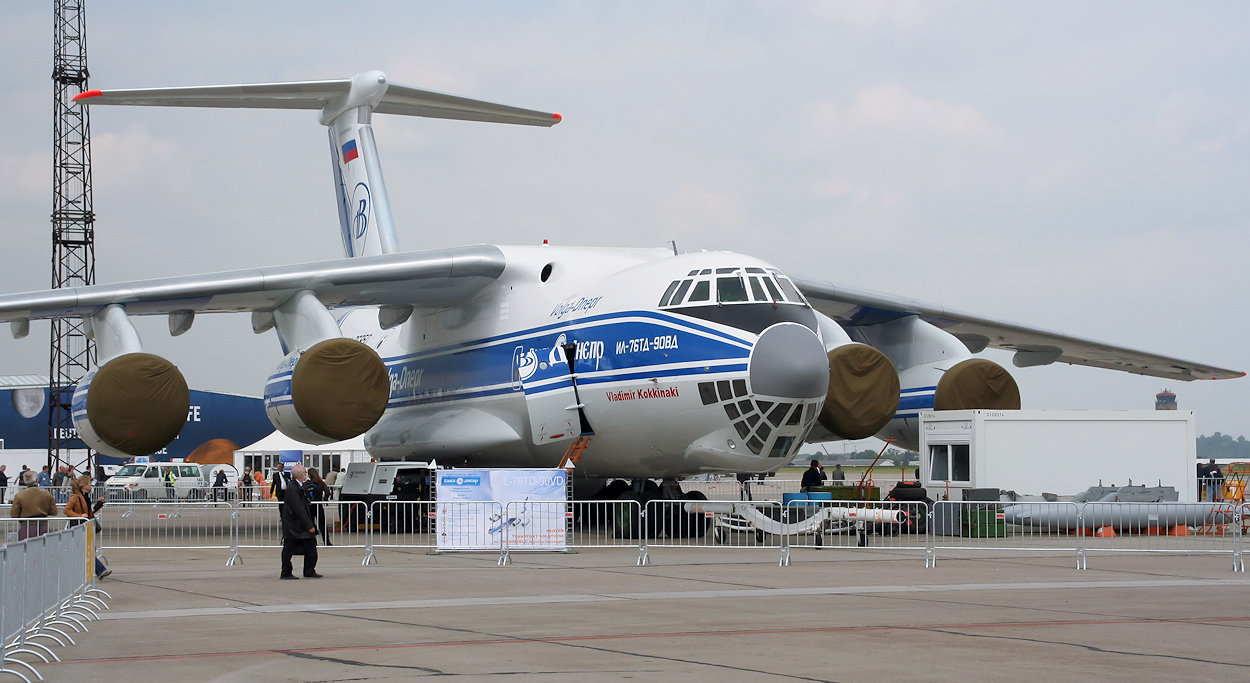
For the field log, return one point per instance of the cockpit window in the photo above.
(732, 286)
(792, 292)
(772, 290)
(730, 289)
(757, 290)
(681, 292)
(668, 293)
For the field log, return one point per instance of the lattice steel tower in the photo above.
(73, 226)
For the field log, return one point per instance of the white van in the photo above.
(147, 481)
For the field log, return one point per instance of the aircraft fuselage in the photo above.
(576, 340)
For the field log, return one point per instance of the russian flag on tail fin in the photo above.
(349, 151)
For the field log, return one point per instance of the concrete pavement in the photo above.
(836, 614)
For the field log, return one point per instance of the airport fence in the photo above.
(1079, 529)
(1040, 527)
(822, 524)
(945, 527)
(770, 488)
(166, 524)
(707, 524)
(47, 590)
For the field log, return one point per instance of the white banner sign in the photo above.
(474, 512)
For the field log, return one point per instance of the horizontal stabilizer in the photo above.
(326, 96)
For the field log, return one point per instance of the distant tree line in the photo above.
(1223, 446)
(898, 455)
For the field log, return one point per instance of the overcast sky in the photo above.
(1081, 167)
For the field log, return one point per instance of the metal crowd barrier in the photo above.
(894, 525)
(394, 524)
(1082, 528)
(47, 590)
(1162, 528)
(560, 526)
(946, 526)
(181, 524)
(772, 488)
(1030, 526)
(707, 524)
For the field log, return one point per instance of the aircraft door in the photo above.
(546, 376)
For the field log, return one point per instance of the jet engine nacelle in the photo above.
(134, 404)
(334, 390)
(936, 372)
(863, 386)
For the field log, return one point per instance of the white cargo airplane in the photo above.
(676, 363)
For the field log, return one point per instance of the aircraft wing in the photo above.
(852, 307)
(434, 277)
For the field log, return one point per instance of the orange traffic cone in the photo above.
(1105, 532)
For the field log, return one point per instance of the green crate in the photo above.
(984, 524)
(848, 492)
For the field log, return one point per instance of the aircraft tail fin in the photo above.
(346, 107)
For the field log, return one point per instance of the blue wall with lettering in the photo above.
(241, 419)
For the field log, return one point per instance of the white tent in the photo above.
(264, 453)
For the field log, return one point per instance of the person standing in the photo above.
(838, 474)
(45, 477)
(79, 505)
(317, 491)
(299, 532)
(813, 478)
(4, 483)
(219, 485)
(171, 482)
(32, 502)
(1215, 480)
(277, 484)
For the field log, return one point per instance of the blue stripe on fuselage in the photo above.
(611, 347)
(912, 401)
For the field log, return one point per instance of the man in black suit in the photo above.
(298, 530)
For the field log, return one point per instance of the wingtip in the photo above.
(85, 95)
(1230, 375)
(557, 118)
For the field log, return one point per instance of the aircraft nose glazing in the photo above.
(789, 360)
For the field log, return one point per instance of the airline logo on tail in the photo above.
(360, 199)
